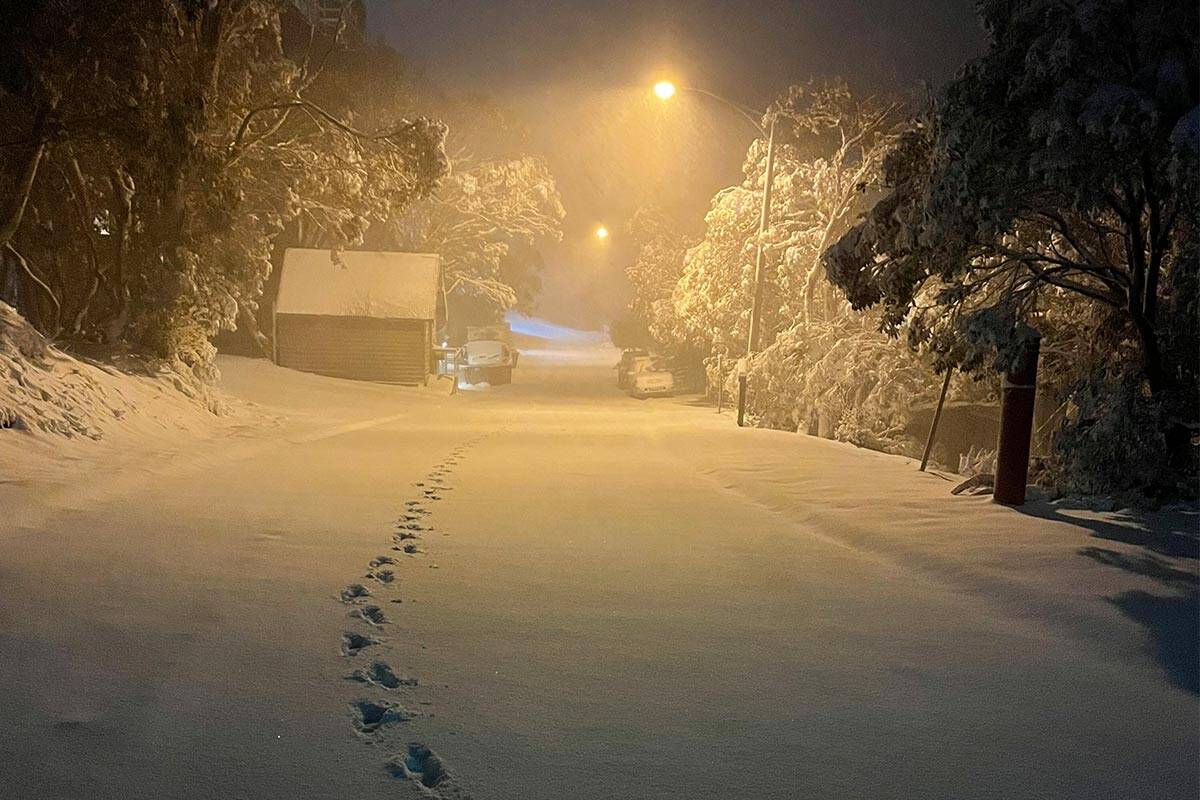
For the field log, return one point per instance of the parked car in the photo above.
(625, 367)
(651, 378)
(488, 360)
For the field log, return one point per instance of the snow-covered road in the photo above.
(608, 599)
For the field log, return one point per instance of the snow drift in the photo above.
(44, 390)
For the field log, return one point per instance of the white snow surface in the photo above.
(55, 407)
(359, 283)
(608, 598)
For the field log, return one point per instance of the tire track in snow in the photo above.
(371, 717)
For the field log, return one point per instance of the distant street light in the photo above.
(601, 232)
(665, 90)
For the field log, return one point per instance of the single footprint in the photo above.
(353, 643)
(380, 674)
(354, 592)
(400, 536)
(370, 614)
(379, 561)
(371, 715)
(423, 766)
(411, 548)
(382, 575)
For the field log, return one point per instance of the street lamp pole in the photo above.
(756, 308)
(665, 90)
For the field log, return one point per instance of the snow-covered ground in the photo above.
(606, 598)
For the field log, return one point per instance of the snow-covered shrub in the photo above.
(841, 380)
(977, 462)
(183, 339)
(1113, 440)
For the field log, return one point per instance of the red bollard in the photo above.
(1018, 392)
(742, 400)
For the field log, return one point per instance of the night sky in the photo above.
(577, 74)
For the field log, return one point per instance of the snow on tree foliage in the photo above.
(161, 150)
(824, 368)
(1053, 188)
(482, 212)
(649, 320)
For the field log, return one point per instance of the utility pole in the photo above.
(756, 309)
(665, 90)
(937, 418)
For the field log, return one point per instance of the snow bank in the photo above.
(46, 391)
(1091, 569)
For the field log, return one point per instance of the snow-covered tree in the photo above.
(711, 299)
(648, 320)
(1053, 189)
(823, 367)
(474, 219)
(829, 145)
(192, 142)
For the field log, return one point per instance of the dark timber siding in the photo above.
(363, 348)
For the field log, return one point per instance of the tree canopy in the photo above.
(185, 137)
(829, 144)
(1051, 190)
(1062, 161)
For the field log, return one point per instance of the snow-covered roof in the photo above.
(363, 284)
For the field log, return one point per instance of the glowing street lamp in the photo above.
(665, 90)
(601, 233)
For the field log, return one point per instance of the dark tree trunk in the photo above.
(49, 326)
(1141, 305)
(78, 187)
(123, 189)
(263, 342)
(15, 208)
(1152, 366)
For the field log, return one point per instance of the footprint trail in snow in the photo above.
(372, 717)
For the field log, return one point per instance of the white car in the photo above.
(488, 360)
(651, 378)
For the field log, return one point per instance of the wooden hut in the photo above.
(363, 315)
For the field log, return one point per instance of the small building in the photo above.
(363, 315)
